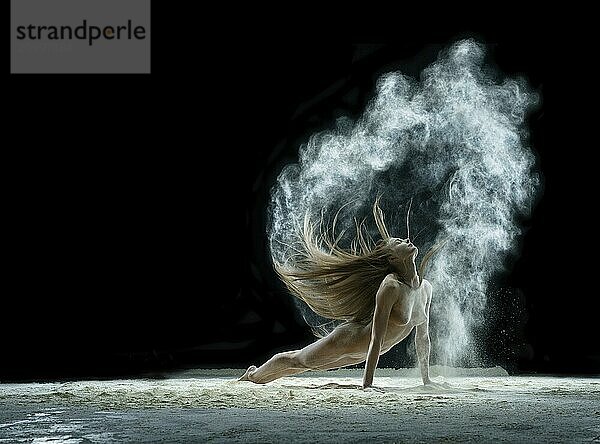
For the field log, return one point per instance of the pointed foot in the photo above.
(246, 376)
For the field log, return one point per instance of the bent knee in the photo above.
(299, 360)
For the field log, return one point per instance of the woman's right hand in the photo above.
(371, 388)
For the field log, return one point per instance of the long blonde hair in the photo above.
(341, 284)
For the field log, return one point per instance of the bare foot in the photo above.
(246, 376)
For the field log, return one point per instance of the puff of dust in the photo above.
(454, 140)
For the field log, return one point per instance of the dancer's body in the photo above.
(377, 318)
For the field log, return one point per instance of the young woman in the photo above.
(374, 289)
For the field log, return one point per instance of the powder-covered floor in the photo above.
(211, 406)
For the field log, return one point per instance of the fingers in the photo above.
(373, 389)
(438, 385)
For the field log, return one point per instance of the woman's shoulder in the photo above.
(390, 281)
(391, 278)
(426, 284)
(427, 288)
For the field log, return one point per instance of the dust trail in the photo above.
(454, 141)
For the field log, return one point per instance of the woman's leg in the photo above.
(346, 345)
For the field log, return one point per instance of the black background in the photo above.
(135, 205)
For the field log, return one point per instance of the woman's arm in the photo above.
(423, 343)
(384, 301)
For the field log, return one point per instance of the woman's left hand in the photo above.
(372, 388)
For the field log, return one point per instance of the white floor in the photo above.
(210, 405)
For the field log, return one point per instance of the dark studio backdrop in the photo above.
(137, 205)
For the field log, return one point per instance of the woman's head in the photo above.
(402, 249)
(402, 254)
